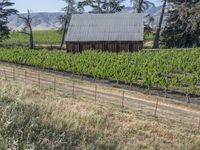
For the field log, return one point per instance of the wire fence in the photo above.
(96, 92)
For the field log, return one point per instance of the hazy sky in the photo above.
(48, 5)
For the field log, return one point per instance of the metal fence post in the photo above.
(13, 73)
(54, 85)
(25, 75)
(39, 80)
(155, 113)
(123, 93)
(199, 125)
(73, 90)
(5, 73)
(95, 93)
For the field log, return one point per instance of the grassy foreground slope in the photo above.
(38, 119)
(179, 69)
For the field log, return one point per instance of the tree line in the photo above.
(181, 27)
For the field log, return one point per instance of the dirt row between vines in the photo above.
(167, 108)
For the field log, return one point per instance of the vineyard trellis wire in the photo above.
(168, 70)
(93, 93)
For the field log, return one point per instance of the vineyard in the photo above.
(166, 69)
(40, 37)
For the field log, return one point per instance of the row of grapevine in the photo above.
(164, 69)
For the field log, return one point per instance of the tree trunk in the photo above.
(139, 6)
(67, 21)
(99, 7)
(157, 36)
(108, 6)
(31, 38)
(64, 32)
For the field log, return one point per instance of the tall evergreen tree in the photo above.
(5, 11)
(183, 24)
(103, 6)
(113, 6)
(157, 36)
(70, 9)
(140, 6)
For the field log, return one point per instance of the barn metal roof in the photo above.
(105, 27)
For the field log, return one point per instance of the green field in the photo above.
(44, 37)
(40, 37)
(177, 69)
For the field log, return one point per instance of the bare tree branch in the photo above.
(27, 20)
(23, 32)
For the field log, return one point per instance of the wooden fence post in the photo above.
(123, 93)
(156, 107)
(95, 93)
(199, 125)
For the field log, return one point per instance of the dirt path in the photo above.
(167, 108)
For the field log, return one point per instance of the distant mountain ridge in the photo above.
(46, 21)
(40, 21)
(153, 11)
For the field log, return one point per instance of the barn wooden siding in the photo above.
(127, 46)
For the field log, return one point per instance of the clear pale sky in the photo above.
(49, 5)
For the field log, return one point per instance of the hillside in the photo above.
(41, 21)
(153, 11)
(46, 21)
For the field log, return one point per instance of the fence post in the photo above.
(39, 80)
(199, 125)
(73, 90)
(13, 73)
(95, 93)
(54, 85)
(25, 75)
(156, 107)
(4, 73)
(123, 101)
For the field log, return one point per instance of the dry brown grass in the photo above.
(105, 122)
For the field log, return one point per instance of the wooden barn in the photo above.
(107, 32)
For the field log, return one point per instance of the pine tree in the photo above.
(183, 24)
(103, 6)
(113, 6)
(140, 6)
(70, 9)
(5, 11)
(157, 36)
